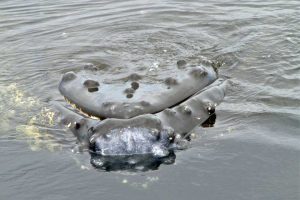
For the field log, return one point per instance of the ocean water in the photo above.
(251, 153)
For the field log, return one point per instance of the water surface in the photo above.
(252, 152)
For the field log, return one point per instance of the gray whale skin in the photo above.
(142, 118)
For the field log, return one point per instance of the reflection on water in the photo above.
(131, 163)
(252, 150)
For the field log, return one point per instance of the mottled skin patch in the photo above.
(92, 94)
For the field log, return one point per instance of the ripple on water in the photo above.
(256, 42)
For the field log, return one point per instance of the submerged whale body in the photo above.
(141, 118)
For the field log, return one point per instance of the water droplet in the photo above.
(64, 35)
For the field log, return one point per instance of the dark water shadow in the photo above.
(210, 122)
(134, 163)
